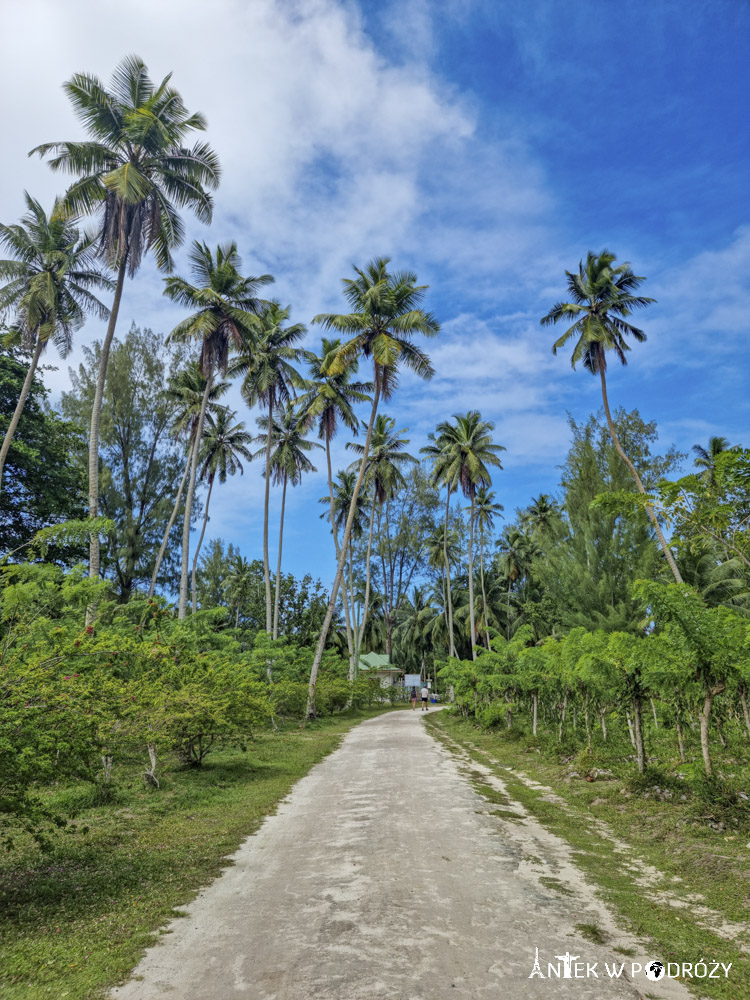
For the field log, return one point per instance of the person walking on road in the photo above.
(413, 697)
(425, 696)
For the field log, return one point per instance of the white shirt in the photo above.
(425, 693)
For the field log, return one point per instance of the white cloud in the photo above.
(335, 150)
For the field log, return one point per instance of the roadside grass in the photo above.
(671, 835)
(75, 921)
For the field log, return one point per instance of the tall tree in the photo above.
(405, 519)
(186, 390)
(705, 458)
(237, 581)
(602, 300)
(384, 317)
(48, 292)
(329, 399)
(226, 316)
(513, 561)
(412, 618)
(289, 462)
(434, 452)
(591, 558)
(135, 172)
(267, 364)
(225, 443)
(140, 459)
(343, 490)
(383, 477)
(462, 453)
(486, 509)
(542, 515)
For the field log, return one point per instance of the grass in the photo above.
(75, 921)
(592, 932)
(675, 836)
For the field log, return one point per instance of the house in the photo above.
(379, 665)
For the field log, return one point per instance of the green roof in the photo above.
(375, 661)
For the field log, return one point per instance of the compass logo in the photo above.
(654, 971)
(569, 966)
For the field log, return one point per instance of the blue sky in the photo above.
(488, 145)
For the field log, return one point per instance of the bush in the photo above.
(289, 699)
(331, 695)
(494, 715)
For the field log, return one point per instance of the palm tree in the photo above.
(135, 172)
(186, 391)
(485, 511)
(289, 462)
(434, 618)
(343, 491)
(434, 452)
(226, 315)
(705, 458)
(464, 451)
(603, 299)
(460, 453)
(224, 444)
(49, 278)
(384, 477)
(385, 316)
(266, 363)
(328, 400)
(442, 549)
(542, 514)
(515, 552)
(410, 631)
(238, 580)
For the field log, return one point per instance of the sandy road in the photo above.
(385, 874)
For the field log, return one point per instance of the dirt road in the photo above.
(385, 874)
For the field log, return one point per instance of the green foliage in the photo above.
(141, 460)
(593, 555)
(227, 580)
(80, 703)
(44, 479)
(686, 655)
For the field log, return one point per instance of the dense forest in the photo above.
(613, 610)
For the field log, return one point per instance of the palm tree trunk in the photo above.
(471, 579)
(342, 556)
(637, 480)
(172, 519)
(390, 596)
(278, 563)
(353, 671)
(96, 413)
(484, 592)
(367, 582)
(266, 567)
(26, 388)
(200, 542)
(448, 596)
(182, 603)
(345, 596)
